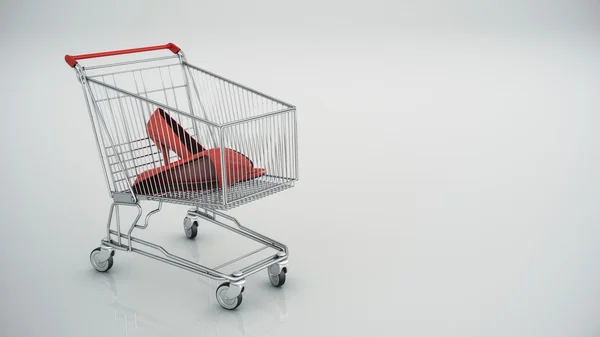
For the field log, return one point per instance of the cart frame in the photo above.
(229, 293)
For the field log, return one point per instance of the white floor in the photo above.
(450, 169)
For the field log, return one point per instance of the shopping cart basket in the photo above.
(168, 131)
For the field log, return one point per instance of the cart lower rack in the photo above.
(170, 132)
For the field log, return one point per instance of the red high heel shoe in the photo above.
(199, 172)
(197, 169)
(167, 134)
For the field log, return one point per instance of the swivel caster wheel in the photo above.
(190, 226)
(102, 259)
(229, 303)
(276, 277)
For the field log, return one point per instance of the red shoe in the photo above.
(199, 172)
(197, 169)
(167, 134)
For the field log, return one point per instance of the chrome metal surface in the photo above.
(241, 193)
(123, 197)
(133, 225)
(199, 213)
(240, 258)
(260, 265)
(107, 65)
(192, 266)
(151, 213)
(186, 264)
(239, 229)
(238, 84)
(219, 114)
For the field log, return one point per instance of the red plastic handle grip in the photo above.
(72, 59)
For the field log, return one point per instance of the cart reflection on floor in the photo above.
(131, 319)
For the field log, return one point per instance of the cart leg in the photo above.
(115, 208)
(109, 222)
(134, 224)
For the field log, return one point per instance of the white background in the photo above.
(449, 165)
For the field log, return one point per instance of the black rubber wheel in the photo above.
(193, 231)
(101, 266)
(228, 303)
(277, 280)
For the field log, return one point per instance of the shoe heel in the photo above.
(165, 152)
(162, 128)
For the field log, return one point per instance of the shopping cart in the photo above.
(168, 131)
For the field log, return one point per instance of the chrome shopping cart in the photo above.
(168, 131)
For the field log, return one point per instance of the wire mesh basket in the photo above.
(216, 112)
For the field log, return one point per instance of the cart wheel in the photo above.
(277, 280)
(102, 266)
(191, 231)
(227, 303)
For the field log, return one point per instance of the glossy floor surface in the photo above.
(449, 172)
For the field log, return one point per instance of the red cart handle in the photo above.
(72, 59)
